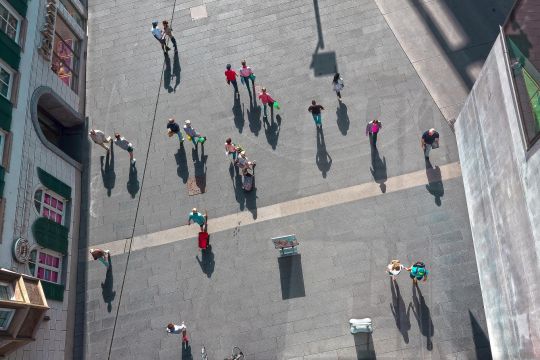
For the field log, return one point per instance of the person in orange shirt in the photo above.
(266, 99)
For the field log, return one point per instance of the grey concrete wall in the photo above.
(503, 199)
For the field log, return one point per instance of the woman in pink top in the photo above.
(372, 129)
(247, 74)
(230, 149)
(267, 99)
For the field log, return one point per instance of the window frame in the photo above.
(37, 264)
(17, 16)
(51, 193)
(12, 74)
(11, 295)
(10, 318)
(74, 81)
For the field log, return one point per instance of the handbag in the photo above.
(276, 105)
(252, 77)
(435, 145)
(169, 132)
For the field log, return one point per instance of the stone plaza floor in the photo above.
(241, 293)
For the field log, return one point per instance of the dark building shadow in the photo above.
(291, 276)
(435, 185)
(271, 130)
(107, 171)
(167, 75)
(378, 169)
(176, 71)
(186, 353)
(254, 118)
(238, 113)
(323, 159)
(400, 312)
(181, 162)
(323, 63)
(481, 341)
(423, 316)
(343, 121)
(199, 165)
(207, 262)
(107, 287)
(363, 342)
(133, 182)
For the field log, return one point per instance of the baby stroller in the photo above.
(248, 179)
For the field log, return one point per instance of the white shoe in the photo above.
(133, 161)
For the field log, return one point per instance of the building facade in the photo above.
(498, 136)
(42, 128)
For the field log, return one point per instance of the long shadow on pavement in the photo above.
(343, 121)
(107, 287)
(176, 71)
(254, 118)
(245, 199)
(186, 353)
(435, 185)
(401, 314)
(291, 276)
(107, 171)
(271, 130)
(133, 181)
(363, 342)
(481, 341)
(423, 316)
(238, 113)
(323, 159)
(378, 169)
(181, 162)
(167, 75)
(207, 262)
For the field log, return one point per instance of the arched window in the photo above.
(50, 205)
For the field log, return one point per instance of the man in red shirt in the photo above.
(230, 76)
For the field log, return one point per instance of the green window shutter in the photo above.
(5, 113)
(54, 184)
(51, 235)
(53, 291)
(2, 182)
(20, 6)
(11, 52)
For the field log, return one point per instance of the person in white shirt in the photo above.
(100, 138)
(179, 329)
(125, 145)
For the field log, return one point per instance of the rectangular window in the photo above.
(6, 293)
(66, 53)
(10, 21)
(6, 81)
(5, 317)
(74, 13)
(46, 265)
(49, 205)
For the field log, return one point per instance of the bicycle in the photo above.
(237, 354)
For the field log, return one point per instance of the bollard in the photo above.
(361, 326)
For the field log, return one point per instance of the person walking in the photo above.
(394, 268)
(100, 138)
(418, 272)
(230, 77)
(174, 128)
(243, 163)
(158, 34)
(315, 110)
(198, 218)
(125, 145)
(372, 129)
(338, 85)
(193, 135)
(179, 329)
(167, 31)
(267, 100)
(231, 150)
(246, 74)
(429, 140)
(98, 254)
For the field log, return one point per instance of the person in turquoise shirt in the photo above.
(418, 272)
(198, 218)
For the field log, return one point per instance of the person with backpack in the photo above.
(338, 85)
(418, 272)
(372, 129)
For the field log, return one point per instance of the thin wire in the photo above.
(138, 200)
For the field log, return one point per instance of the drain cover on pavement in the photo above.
(196, 185)
(198, 12)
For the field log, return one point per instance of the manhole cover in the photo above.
(198, 12)
(196, 185)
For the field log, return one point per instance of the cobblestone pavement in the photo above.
(240, 293)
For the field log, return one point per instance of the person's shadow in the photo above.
(186, 352)
(107, 171)
(176, 71)
(401, 315)
(378, 169)
(199, 165)
(435, 185)
(271, 130)
(238, 113)
(251, 199)
(239, 192)
(107, 287)
(323, 159)
(167, 74)
(133, 182)
(343, 121)
(423, 316)
(181, 163)
(254, 118)
(207, 262)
